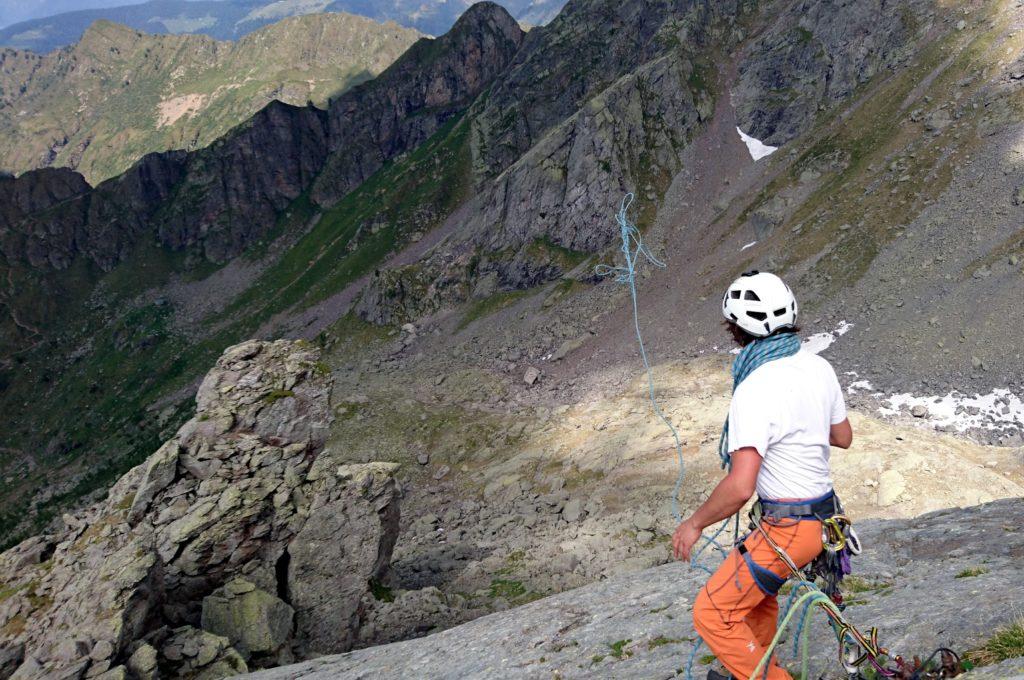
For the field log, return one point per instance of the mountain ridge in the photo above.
(117, 94)
(233, 19)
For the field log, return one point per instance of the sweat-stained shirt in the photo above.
(785, 409)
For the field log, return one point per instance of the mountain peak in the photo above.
(486, 12)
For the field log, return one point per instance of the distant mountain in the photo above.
(101, 104)
(16, 11)
(233, 19)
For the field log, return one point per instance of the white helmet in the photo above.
(760, 303)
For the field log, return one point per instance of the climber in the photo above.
(787, 409)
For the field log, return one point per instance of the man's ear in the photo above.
(746, 464)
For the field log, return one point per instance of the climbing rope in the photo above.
(634, 251)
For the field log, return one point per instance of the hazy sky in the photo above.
(13, 11)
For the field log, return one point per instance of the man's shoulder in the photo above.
(815, 361)
(797, 365)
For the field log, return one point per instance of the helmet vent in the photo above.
(780, 311)
(751, 295)
(760, 316)
(734, 294)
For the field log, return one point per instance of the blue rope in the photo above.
(634, 251)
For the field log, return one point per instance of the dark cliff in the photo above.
(434, 80)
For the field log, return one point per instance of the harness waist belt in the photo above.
(816, 508)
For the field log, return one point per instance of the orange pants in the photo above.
(736, 619)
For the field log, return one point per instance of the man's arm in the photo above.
(841, 434)
(728, 497)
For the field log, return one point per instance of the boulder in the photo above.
(355, 524)
(253, 620)
(197, 654)
(142, 662)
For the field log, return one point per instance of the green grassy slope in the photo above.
(117, 94)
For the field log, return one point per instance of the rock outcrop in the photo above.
(238, 543)
(914, 579)
(815, 55)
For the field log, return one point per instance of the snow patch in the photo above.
(752, 243)
(992, 411)
(819, 342)
(756, 147)
(862, 386)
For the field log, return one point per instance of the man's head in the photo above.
(759, 304)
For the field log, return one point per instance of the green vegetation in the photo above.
(1007, 643)
(707, 659)
(507, 589)
(7, 591)
(380, 591)
(619, 650)
(491, 304)
(544, 249)
(661, 640)
(700, 78)
(972, 571)
(276, 395)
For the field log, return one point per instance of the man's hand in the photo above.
(686, 536)
(726, 499)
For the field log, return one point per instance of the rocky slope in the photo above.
(117, 94)
(639, 625)
(53, 26)
(239, 542)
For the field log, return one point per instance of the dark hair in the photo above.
(743, 338)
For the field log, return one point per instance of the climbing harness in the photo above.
(838, 537)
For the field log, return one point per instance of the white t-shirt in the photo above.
(784, 409)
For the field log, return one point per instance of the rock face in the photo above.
(238, 542)
(808, 59)
(433, 81)
(574, 124)
(639, 625)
